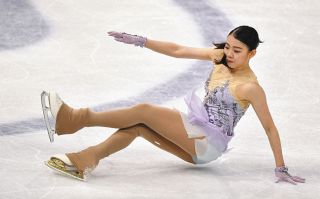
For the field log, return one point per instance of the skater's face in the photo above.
(237, 53)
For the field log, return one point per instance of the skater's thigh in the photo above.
(161, 142)
(168, 123)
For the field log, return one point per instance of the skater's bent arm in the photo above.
(180, 51)
(256, 95)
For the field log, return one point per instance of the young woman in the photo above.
(198, 137)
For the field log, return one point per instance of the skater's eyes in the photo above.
(236, 49)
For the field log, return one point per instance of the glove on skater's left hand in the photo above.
(283, 175)
(128, 38)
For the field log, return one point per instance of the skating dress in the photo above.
(216, 116)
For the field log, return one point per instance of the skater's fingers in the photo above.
(115, 34)
(290, 180)
(112, 32)
(118, 39)
(298, 179)
(286, 179)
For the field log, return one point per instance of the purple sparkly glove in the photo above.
(283, 175)
(128, 38)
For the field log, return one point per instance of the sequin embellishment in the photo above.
(223, 110)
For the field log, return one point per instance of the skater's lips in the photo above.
(229, 61)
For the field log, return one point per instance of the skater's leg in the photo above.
(121, 139)
(67, 120)
(116, 118)
(166, 122)
(70, 120)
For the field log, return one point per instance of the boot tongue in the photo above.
(55, 104)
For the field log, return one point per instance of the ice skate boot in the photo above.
(54, 104)
(62, 164)
(67, 120)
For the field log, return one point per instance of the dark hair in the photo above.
(246, 34)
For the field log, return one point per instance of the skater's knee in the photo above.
(133, 130)
(142, 108)
(142, 111)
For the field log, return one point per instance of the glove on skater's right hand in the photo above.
(128, 38)
(283, 175)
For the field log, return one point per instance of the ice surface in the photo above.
(65, 48)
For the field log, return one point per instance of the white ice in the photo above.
(87, 68)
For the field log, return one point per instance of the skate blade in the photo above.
(53, 164)
(45, 110)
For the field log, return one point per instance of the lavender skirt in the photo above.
(197, 124)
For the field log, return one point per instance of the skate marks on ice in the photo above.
(21, 24)
(207, 17)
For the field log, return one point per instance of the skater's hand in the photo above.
(128, 38)
(283, 175)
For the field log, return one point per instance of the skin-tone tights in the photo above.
(70, 120)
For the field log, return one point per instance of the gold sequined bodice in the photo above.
(221, 102)
(221, 74)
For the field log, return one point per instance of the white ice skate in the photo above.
(53, 105)
(62, 164)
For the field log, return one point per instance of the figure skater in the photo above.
(198, 137)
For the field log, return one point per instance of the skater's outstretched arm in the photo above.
(169, 48)
(180, 51)
(256, 95)
(257, 98)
